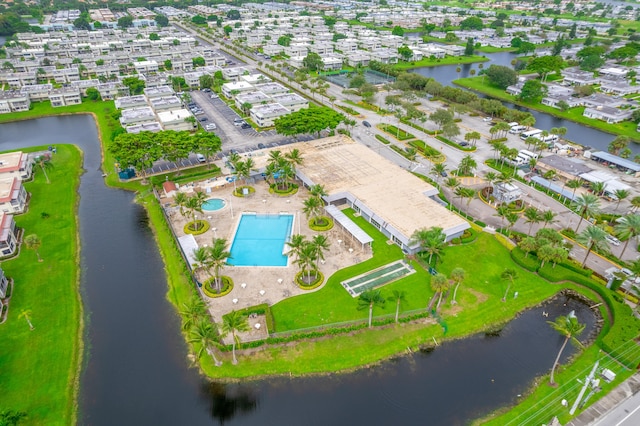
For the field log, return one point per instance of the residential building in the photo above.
(16, 164)
(158, 91)
(127, 102)
(608, 114)
(137, 116)
(566, 169)
(265, 115)
(175, 120)
(12, 101)
(13, 195)
(4, 284)
(152, 126)
(165, 103)
(8, 235)
(291, 101)
(233, 88)
(577, 77)
(252, 98)
(65, 96)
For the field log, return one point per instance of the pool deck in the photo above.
(263, 284)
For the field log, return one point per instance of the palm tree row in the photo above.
(242, 169)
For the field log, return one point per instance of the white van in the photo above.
(517, 129)
(529, 133)
(513, 124)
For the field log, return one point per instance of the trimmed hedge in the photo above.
(383, 139)
(315, 284)
(205, 227)
(530, 263)
(293, 188)
(227, 286)
(396, 133)
(238, 191)
(320, 228)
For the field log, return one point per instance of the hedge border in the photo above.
(204, 229)
(227, 286)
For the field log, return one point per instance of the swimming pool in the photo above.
(260, 240)
(213, 204)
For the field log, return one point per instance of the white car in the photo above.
(613, 240)
(201, 158)
(211, 126)
(487, 119)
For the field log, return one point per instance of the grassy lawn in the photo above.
(626, 128)
(333, 304)
(40, 368)
(447, 60)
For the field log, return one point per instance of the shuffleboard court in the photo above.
(377, 277)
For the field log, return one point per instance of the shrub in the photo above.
(325, 223)
(209, 290)
(531, 263)
(291, 189)
(383, 139)
(317, 282)
(239, 191)
(189, 228)
(396, 133)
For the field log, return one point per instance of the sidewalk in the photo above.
(609, 403)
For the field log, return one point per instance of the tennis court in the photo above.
(377, 277)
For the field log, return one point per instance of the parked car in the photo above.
(214, 96)
(211, 126)
(487, 119)
(245, 126)
(463, 143)
(201, 158)
(261, 146)
(443, 174)
(207, 90)
(366, 124)
(203, 119)
(613, 240)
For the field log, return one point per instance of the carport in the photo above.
(348, 225)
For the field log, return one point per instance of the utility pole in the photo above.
(588, 380)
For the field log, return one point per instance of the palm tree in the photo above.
(587, 205)
(204, 334)
(32, 242)
(439, 284)
(218, 256)
(620, 195)
(234, 322)
(431, 240)
(627, 228)
(44, 162)
(592, 237)
(532, 216)
(320, 245)
(313, 208)
(569, 327)
(193, 311)
(294, 158)
(317, 191)
(457, 276)
(597, 187)
(467, 165)
(548, 217)
(26, 314)
(306, 259)
(510, 275)
(399, 297)
(439, 170)
(574, 184)
(295, 244)
(369, 299)
(635, 203)
(469, 194)
(512, 218)
(180, 200)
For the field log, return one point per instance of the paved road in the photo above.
(625, 414)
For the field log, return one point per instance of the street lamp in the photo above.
(215, 232)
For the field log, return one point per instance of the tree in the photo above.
(569, 328)
(441, 117)
(468, 50)
(45, 163)
(439, 284)
(161, 20)
(501, 76)
(618, 144)
(457, 276)
(627, 228)
(398, 296)
(574, 184)
(204, 334)
(621, 194)
(32, 242)
(11, 417)
(472, 23)
(233, 15)
(234, 322)
(406, 52)
(313, 207)
(218, 255)
(593, 237)
(397, 31)
(533, 216)
(509, 275)
(308, 120)
(586, 205)
(532, 91)
(228, 29)
(313, 62)
(548, 217)
(430, 240)
(125, 22)
(467, 166)
(369, 299)
(135, 85)
(527, 245)
(544, 65)
(472, 137)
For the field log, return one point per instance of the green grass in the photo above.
(447, 60)
(396, 132)
(333, 304)
(626, 128)
(40, 368)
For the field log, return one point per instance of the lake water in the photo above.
(136, 370)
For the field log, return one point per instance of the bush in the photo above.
(209, 290)
(396, 133)
(383, 139)
(238, 192)
(530, 263)
(326, 223)
(291, 189)
(317, 282)
(189, 228)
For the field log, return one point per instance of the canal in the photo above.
(136, 370)
(578, 133)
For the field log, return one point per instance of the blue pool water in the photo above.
(213, 204)
(260, 239)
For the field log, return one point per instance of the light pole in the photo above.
(215, 233)
(230, 207)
